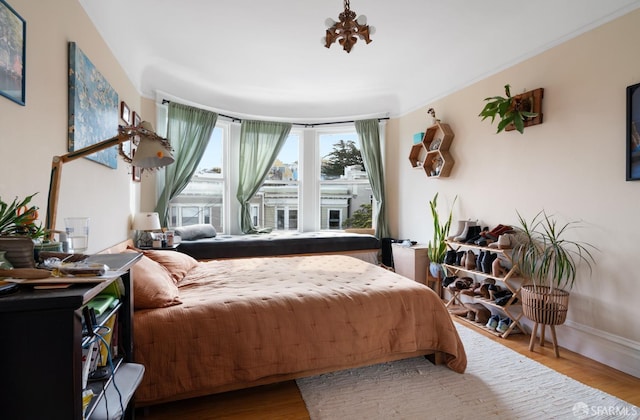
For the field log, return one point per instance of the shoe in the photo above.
(459, 256)
(497, 231)
(503, 325)
(493, 321)
(477, 237)
(472, 232)
(463, 233)
(497, 270)
(461, 226)
(505, 241)
(450, 257)
(493, 289)
(502, 300)
(471, 229)
(487, 262)
(479, 259)
(448, 280)
(470, 262)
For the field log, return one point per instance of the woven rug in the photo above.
(499, 383)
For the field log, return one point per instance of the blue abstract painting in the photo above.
(93, 108)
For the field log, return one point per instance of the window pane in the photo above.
(202, 200)
(293, 219)
(345, 192)
(189, 216)
(278, 196)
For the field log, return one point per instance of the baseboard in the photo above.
(612, 350)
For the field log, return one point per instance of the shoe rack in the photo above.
(432, 153)
(509, 279)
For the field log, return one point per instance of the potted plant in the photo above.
(18, 230)
(18, 218)
(548, 262)
(437, 247)
(511, 110)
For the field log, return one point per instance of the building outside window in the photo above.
(278, 198)
(203, 199)
(345, 191)
(340, 185)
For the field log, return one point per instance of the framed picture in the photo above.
(93, 108)
(633, 136)
(135, 170)
(136, 119)
(125, 113)
(13, 35)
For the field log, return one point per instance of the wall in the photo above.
(31, 135)
(572, 165)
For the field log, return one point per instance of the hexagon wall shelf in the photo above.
(432, 154)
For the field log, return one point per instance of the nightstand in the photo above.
(413, 262)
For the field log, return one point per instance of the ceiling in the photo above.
(265, 59)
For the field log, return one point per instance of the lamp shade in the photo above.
(151, 154)
(146, 221)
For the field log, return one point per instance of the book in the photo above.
(101, 303)
(87, 355)
(104, 351)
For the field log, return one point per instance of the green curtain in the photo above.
(189, 130)
(260, 143)
(369, 135)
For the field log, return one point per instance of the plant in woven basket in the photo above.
(19, 218)
(437, 248)
(549, 263)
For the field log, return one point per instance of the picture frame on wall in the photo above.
(13, 36)
(125, 112)
(136, 119)
(93, 108)
(633, 132)
(136, 172)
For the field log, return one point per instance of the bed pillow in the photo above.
(176, 263)
(193, 232)
(153, 286)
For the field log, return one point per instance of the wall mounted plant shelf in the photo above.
(514, 112)
(534, 97)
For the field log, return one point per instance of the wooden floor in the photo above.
(283, 401)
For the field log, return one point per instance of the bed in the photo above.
(207, 327)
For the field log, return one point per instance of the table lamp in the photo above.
(145, 223)
(153, 152)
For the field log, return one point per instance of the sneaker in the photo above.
(503, 325)
(493, 321)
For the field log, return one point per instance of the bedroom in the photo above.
(572, 164)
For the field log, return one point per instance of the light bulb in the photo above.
(362, 20)
(372, 30)
(329, 22)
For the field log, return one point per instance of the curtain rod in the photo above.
(305, 125)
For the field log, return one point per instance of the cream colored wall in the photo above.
(573, 165)
(31, 135)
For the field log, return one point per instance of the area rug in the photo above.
(499, 384)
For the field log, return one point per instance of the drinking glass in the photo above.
(77, 229)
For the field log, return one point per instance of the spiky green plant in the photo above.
(545, 257)
(18, 218)
(437, 248)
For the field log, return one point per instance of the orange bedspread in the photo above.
(250, 321)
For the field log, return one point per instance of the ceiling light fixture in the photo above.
(348, 29)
